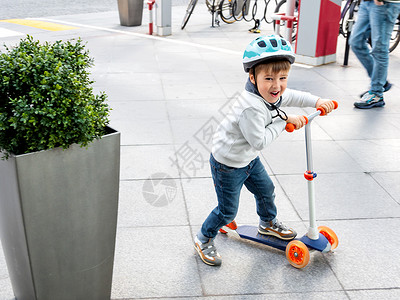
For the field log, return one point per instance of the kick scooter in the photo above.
(319, 238)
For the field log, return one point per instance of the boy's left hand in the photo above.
(327, 105)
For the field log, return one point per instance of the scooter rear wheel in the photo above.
(330, 236)
(297, 254)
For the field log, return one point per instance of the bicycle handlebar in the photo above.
(290, 127)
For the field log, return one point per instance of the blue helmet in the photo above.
(267, 48)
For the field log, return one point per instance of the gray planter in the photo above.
(58, 218)
(130, 12)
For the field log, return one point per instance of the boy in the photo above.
(254, 122)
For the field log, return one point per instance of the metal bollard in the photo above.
(151, 3)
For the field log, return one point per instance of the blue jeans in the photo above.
(379, 22)
(228, 182)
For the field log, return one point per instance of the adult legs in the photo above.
(377, 21)
(382, 19)
(359, 37)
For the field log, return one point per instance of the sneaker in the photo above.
(386, 87)
(207, 252)
(370, 100)
(279, 230)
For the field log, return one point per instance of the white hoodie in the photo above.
(249, 126)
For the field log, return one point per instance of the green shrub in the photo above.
(46, 98)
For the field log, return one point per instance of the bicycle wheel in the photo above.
(281, 8)
(189, 11)
(226, 11)
(343, 21)
(349, 13)
(395, 39)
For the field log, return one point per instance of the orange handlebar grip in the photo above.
(290, 127)
(322, 110)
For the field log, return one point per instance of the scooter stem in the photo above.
(309, 174)
(312, 230)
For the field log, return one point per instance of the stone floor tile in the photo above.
(141, 162)
(187, 77)
(327, 156)
(193, 109)
(250, 268)
(137, 132)
(341, 196)
(389, 181)
(374, 155)
(368, 294)
(149, 264)
(366, 256)
(151, 202)
(6, 292)
(193, 130)
(360, 127)
(193, 91)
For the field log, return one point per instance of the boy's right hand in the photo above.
(297, 121)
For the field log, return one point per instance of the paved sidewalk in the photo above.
(166, 95)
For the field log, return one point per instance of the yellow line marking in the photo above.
(39, 24)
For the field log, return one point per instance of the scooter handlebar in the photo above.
(290, 127)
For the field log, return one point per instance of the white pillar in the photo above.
(317, 31)
(163, 17)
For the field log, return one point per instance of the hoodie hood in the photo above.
(251, 88)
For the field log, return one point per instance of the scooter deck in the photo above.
(251, 233)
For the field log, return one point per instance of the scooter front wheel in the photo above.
(330, 236)
(297, 254)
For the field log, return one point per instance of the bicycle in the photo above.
(226, 9)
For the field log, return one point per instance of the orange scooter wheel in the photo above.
(330, 236)
(297, 254)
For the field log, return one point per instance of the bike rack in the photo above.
(288, 16)
(248, 12)
(257, 21)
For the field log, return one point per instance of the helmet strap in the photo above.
(253, 70)
(279, 112)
